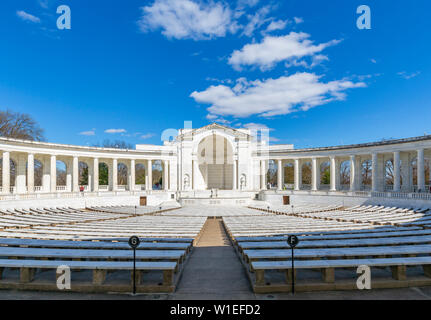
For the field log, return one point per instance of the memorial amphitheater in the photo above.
(217, 214)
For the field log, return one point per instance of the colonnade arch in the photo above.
(345, 175)
(103, 175)
(214, 165)
(325, 175)
(271, 173)
(122, 174)
(140, 173)
(414, 170)
(289, 172)
(12, 167)
(306, 175)
(366, 174)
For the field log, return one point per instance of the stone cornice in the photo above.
(354, 146)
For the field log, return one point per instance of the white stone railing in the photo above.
(121, 187)
(60, 195)
(361, 193)
(104, 187)
(421, 196)
(364, 194)
(389, 187)
(61, 188)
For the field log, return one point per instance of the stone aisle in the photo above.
(213, 270)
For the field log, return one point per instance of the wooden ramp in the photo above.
(214, 271)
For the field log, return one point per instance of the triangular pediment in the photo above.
(217, 126)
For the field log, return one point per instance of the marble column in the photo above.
(69, 175)
(280, 174)
(75, 174)
(53, 173)
(114, 182)
(333, 170)
(374, 173)
(30, 173)
(297, 175)
(6, 172)
(263, 174)
(406, 172)
(234, 175)
(166, 175)
(149, 185)
(132, 175)
(421, 170)
(353, 174)
(95, 174)
(397, 172)
(20, 179)
(314, 174)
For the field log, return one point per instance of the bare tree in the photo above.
(325, 173)
(289, 173)
(140, 173)
(367, 172)
(20, 126)
(117, 144)
(306, 173)
(345, 173)
(389, 172)
(38, 173)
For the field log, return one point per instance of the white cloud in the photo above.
(276, 25)
(298, 20)
(270, 97)
(315, 61)
(256, 126)
(43, 4)
(373, 60)
(272, 50)
(147, 135)
(187, 19)
(256, 21)
(115, 131)
(250, 3)
(91, 132)
(228, 81)
(27, 16)
(407, 75)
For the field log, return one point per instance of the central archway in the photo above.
(215, 160)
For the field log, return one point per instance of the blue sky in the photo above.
(127, 70)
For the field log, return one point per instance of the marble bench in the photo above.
(358, 235)
(411, 250)
(91, 244)
(338, 243)
(100, 268)
(397, 265)
(102, 254)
